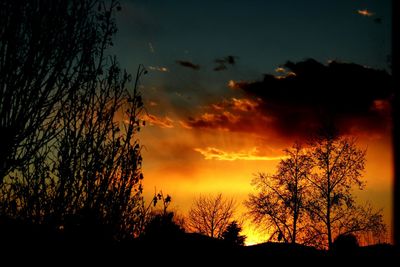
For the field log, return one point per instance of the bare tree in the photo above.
(338, 168)
(210, 215)
(48, 49)
(279, 205)
(74, 153)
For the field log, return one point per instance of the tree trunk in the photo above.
(328, 222)
(294, 228)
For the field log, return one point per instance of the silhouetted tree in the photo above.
(48, 50)
(232, 234)
(338, 167)
(280, 202)
(97, 160)
(210, 215)
(70, 156)
(163, 225)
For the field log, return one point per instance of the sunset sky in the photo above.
(215, 119)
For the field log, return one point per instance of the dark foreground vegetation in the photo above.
(88, 243)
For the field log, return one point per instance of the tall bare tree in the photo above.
(72, 157)
(339, 164)
(210, 215)
(48, 49)
(279, 205)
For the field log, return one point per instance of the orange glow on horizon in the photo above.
(185, 161)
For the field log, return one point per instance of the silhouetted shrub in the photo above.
(162, 226)
(345, 244)
(232, 234)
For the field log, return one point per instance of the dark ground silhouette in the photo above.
(23, 242)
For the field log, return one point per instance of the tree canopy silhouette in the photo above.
(210, 215)
(338, 166)
(280, 202)
(232, 234)
(69, 155)
(48, 50)
(309, 200)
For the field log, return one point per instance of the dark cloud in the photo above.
(223, 62)
(313, 91)
(188, 64)
(296, 103)
(220, 67)
(341, 88)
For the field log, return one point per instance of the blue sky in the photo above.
(262, 35)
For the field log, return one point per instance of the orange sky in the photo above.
(227, 92)
(186, 162)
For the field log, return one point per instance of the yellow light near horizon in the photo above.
(186, 163)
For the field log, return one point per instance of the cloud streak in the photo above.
(219, 120)
(222, 63)
(235, 114)
(157, 68)
(151, 48)
(188, 64)
(212, 153)
(365, 12)
(237, 84)
(160, 122)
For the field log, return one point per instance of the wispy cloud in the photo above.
(160, 122)
(223, 62)
(365, 12)
(220, 67)
(212, 153)
(237, 84)
(234, 114)
(244, 104)
(151, 48)
(153, 104)
(188, 64)
(157, 68)
(214, 120)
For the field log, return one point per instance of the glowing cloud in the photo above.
(226, 115)
(212, 153)
(236, 84)
(156, 68)
(365, 12)
(160, 122)
(244, 104)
